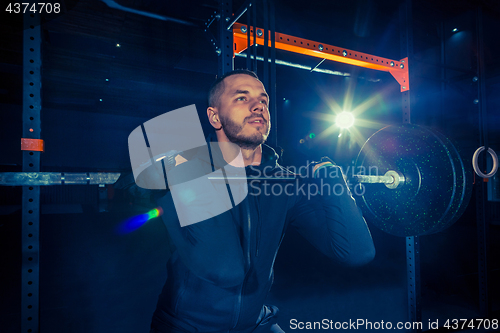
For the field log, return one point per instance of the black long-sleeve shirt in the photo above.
(222, 269)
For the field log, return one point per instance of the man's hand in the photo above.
(323, 163)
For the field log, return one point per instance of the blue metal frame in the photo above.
(481, 188)
(413, 242)
(225, 46)
(225, 60)
(32, 63)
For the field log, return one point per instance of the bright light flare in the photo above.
(138, 221)
(344, 120)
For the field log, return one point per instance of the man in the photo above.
(222, 269)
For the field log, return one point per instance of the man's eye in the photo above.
(240, 98)
(264, 102)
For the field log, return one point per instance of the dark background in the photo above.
(95, 280)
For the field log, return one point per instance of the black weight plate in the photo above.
(436, 188)
(463, 179)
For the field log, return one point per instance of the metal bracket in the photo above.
(32, 144)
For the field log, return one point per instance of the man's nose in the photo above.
(258, 106)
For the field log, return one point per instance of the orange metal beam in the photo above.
(398, 68)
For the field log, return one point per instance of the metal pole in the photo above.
(265, 14)
(254, 47)
(412, 242)
(32, 63)
(413, 281)
(406, 36)
(272, 84)
(240, 13)
(248, 50)
(481, 194)
(442, 35)
(225, 62)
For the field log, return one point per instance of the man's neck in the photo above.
(251, 156)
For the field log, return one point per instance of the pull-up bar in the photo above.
(397, 68)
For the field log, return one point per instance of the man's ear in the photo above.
(213, 117)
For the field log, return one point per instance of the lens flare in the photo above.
(344, 119)
(138, 221)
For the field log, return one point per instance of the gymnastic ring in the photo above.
(476, 166)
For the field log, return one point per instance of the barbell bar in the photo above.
(57, 178)
(392, 179)
(425, 190)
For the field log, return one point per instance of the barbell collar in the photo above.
(392, 179)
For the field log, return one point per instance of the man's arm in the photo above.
(331, 221)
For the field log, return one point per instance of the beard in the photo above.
(233, 129)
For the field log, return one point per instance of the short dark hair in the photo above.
(217, 88)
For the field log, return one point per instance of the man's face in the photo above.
(243, 111)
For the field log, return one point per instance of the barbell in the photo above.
(418, 182)
(421, 184)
